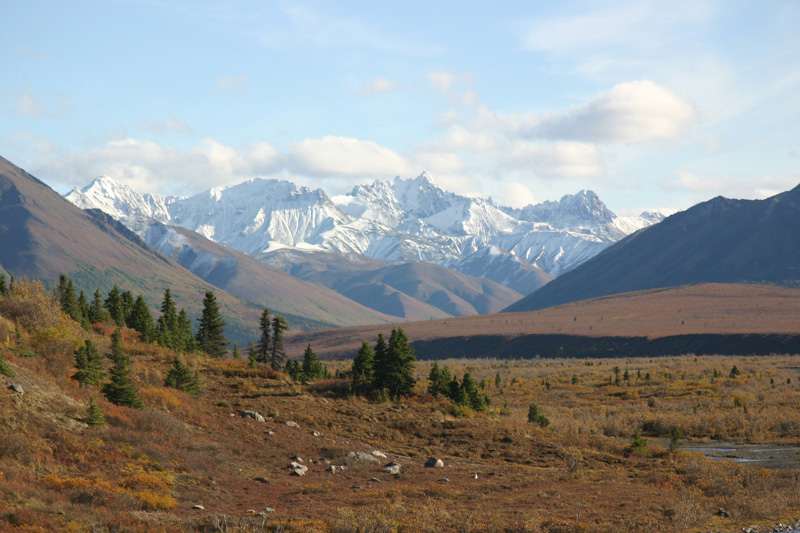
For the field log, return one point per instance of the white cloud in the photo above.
(147, 166)
(227, 81)
(380, 85)
(632, 112)
(514, 194)
(169, 124)
(723, 184)
(344, 156)
(305, 26)
(557, 160)
(30, 105)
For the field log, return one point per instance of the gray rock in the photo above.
(357, 460)
(292, 424)
(316, 433)
(255, 415)
(393, 468)
(444, 480)
(198, 506)
(16, 387)
(268, 510)
(375, 480)
(378, 453)
(433, 462)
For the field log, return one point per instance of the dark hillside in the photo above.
(719, 241)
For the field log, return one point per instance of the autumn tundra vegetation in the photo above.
(115, 421)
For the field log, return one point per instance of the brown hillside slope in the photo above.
(686, 310)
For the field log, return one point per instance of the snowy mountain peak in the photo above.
(398, 219)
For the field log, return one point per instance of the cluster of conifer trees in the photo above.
(386, 372)
(464, 393)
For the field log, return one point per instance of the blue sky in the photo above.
(651, 104)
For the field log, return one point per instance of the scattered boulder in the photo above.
(298, 469)
(255, 415)
(356, 460)
(474, 476)
(16, 387)
(444, 480)
(261, 480)
(292, 424)
(723, 513)
(268, 510)
(375, 480)
(393, 468)
(377, 453)
(316, 433)
(198, 507)
(433, 462)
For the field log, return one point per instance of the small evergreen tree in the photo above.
(97, 311)
(472, 396)
(114, 306)
(236, 355)
(3, 285)
(537, 417)
(380, 365)
(89, 365)
(264, 345)
(141, 320)
(638, 444)
(121, 390)
(184, 337)
(400, 365)
(181, 377)
(21, 348)
(211, 328)
(312, 368)
(94, 416)
(83, 308)
(439, 378)
(127, 306)
(252, 357)
(294, 369)
(5, 370)
(456, 392)
(278, 354)
(363, 371)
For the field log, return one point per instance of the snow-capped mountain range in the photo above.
(390, 220)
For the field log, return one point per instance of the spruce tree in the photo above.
(184, 336)
(456, 392)
(127, 306)
(236, 355)
(312, 368)
(277, 353)
(181, 377)
(400, 361)
(439, 378)
(167, 324)
(3, 285)
(141, 320)
(65, 293)
(83, 308)
(381, 367)
(121, 390)
(114, 305)
(5, 370)
(211, 328)
(537, 417)
(363, 368)
(472, 396)
(252, 356)
(94, 416)
(21, 348)
(264, 341)
(89, 365)
(97, 311)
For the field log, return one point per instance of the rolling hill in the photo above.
(706, 317)
(718, 241)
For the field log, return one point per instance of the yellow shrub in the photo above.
(162, 397)
(143, 481)
(154, 501)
